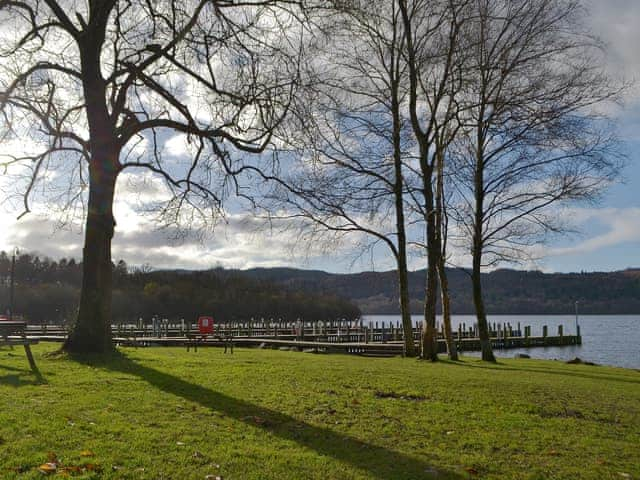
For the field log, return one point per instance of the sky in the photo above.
(607, 234)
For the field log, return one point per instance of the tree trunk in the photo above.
(452, 349)
(478, 243)
(405, 307)
(92, 330)
(430, 334)
(441, 237)
(403, 273)
(398, 191)
(483, 326)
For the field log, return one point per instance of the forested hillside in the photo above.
(48, 290)
(506, 291)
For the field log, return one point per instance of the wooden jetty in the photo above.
(340, 336)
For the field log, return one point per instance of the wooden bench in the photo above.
(15, 333)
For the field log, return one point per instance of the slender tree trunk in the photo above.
(398, 190)
(430, 334)
(478, 241)
(483, 326)
(452, 349)
(405, 307)
(441, 225)
(92, 330)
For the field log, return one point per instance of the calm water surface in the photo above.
(606, 339)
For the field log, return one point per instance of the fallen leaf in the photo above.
(553, 453)
(87, 453)
(48, 468)
(180, 444)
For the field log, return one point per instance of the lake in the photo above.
(606, 339)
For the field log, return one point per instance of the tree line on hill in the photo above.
(428, 124)
(506, 291)
(48, 291)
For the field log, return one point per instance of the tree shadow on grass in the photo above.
(499, 366)
(378, 462)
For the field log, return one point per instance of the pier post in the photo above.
(560, 331)
(578, 335)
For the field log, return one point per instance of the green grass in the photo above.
(163, 413)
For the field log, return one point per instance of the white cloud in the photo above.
(622, 225)
(177, 145)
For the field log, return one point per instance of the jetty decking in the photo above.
(375, 339)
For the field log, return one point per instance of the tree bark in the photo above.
(452, 349)
(441, 237)
(430, 334)
(478, 240)
(405, 307)
(483, 326)
(398, 190)
(92, 330)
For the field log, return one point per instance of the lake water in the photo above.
(606, 339)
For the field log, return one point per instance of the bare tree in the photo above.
(94, 87)
(354, 138)
(432, 31)
(532, 136)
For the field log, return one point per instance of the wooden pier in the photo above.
(375, 339)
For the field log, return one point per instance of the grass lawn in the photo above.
(163, 413)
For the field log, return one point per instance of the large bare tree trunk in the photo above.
(92, 330)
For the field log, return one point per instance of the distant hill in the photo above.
(506, 291)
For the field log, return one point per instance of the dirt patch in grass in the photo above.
(400, 396)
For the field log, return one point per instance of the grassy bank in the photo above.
(165, 413)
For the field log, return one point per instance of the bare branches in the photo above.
(220, 73)
(530, 136)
